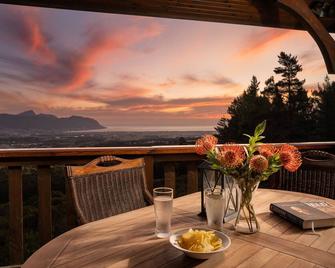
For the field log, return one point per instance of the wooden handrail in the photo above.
(144, 150)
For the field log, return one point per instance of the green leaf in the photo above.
(260, 128)
(216, 166)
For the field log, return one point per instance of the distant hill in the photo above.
(29, 120)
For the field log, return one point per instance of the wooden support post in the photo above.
(44, 204)
(326, 43)
(170, 176)
(149, 172)
(15, 215)
(192, 178)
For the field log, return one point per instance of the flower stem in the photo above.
(247, 188)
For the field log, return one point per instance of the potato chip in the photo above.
(200, 241)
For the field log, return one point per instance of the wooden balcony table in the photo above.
(128, 240)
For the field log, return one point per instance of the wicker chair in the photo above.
(315, 176)
(108, 186)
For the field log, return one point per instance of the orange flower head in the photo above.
(258, 163)
(268, 150)
(290, 157)
(205, 144)
(231, 156)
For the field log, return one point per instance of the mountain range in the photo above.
(29, 120)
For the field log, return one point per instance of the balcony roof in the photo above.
(246, 12)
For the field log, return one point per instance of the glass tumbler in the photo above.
(163, 198)
(215, 206)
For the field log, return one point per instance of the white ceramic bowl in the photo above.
(200, 255)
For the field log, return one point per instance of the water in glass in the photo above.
(215, 207)
(163, 198)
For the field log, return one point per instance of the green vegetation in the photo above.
(30, 210)
(291, 113)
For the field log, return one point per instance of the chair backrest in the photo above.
(315, 176)
(108, 186)
(318, 159)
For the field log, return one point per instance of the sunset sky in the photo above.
(140, 71)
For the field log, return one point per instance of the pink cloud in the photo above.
(257, 43)
(37, 41)
(33, 37)
(102, 44)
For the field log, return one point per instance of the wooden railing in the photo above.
(44, 159)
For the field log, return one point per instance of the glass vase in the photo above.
(246, 220)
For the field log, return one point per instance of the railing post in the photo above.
(192, 178)
(15, 215)
(149, 172)
(170, 176)
(44, 204)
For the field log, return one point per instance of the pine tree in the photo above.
(253, 88)
(297, 103)
(270, 89)
(222, 129)
(277, 114)
(289, 69)
(324, 110)
(245, 112)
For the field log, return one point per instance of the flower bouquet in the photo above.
(248, 166)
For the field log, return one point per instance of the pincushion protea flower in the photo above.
(205, 144)
(268, 150)
(258, 163)
(231, 156)
(290, 157)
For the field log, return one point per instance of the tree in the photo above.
(244, 111)
(289, 84)
(276, 116)
(270, 90)
(324, 110)
(297, 103)
(290, 113)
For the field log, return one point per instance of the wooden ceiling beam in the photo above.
(207, 10)
(326, 43)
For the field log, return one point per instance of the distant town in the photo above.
(26, 139)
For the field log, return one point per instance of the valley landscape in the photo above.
(31, 130)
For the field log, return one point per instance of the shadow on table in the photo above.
(183, 261)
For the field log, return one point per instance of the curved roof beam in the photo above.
(326, 43)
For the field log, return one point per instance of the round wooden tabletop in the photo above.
(128, 240)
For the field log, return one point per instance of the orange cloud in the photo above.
(256, 44)
(101, 45)
(215, 116)
(118, 93)
(214, 102)
(207, 107)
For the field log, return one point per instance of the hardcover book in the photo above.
(307, 215)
